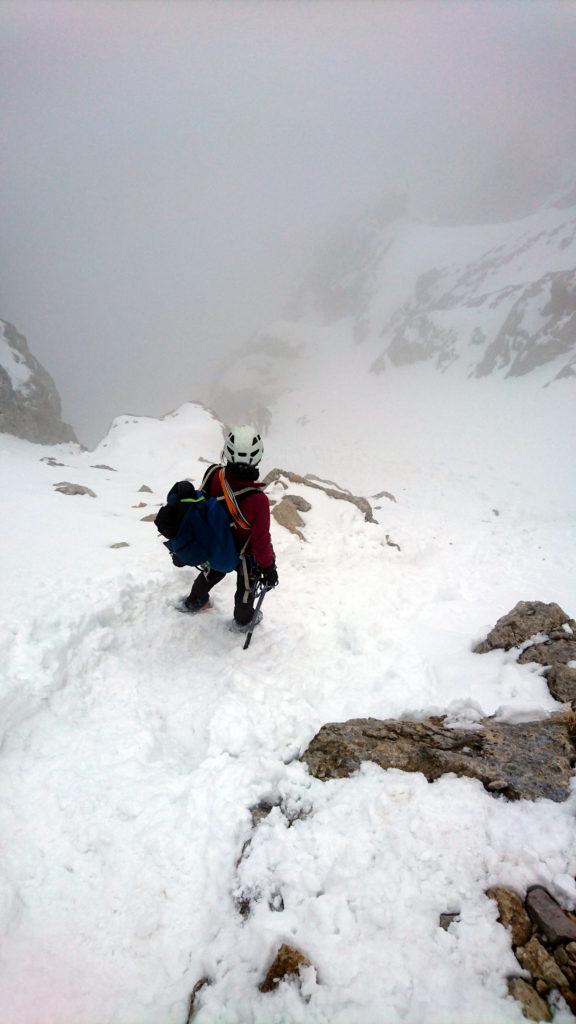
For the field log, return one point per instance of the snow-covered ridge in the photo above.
(29, 402)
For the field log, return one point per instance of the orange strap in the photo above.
(232, 505)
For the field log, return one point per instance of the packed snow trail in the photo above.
(135, 741)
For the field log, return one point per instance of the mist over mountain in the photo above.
(471, 301)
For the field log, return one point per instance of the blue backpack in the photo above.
(199, 527)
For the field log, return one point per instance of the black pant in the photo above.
(243, 599)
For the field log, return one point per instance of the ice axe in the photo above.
(261, 590)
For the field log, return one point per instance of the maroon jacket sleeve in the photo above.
(256, 508)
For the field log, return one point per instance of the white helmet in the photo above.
(243, 445)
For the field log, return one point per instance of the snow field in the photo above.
(135, 740)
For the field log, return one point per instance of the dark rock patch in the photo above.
(527, 761)
(149, 519)
(447, 919)
(193, 1006)
(102, 465)
(51, 461)
(120, 544)
(145, 489)
(287, 963)
(549, 916)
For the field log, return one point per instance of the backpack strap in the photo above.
(208, 475)
(231, 503)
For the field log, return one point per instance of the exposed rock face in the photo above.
(530, 619)
(67, 488)
(552, 652)
(514, 328)
(29, 402)
(527, 761)
(511, 914)
(287, 962)
(562, 684)
(331, 489)
(526, 619)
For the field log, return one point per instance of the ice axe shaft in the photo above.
(263, 593)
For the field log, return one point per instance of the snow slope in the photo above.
(135, 740)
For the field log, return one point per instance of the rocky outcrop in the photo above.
(283, 476)
(528, 761)
(29, 402)
(553, 634)
(526, 620)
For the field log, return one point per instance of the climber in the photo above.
(235, 479)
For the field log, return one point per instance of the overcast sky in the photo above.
(169, 167)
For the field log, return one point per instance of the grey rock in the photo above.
(120, 544)
(30, 408)
(552, 653)
(51, 461)
(149, 518)
(64, 487)
(535, 959)
(329, 488)
(286, 514)
(145, 489)
(102, 465)
(447, 919)
(529, 761)
(550, 918)
(385, 494)
(562, 684)
(511, 914)
(526, 619)
(287, 962)
(300, 503)
(533, 1006)
(141, 504)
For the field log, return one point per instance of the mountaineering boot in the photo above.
(192, 607)
(237, 627)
